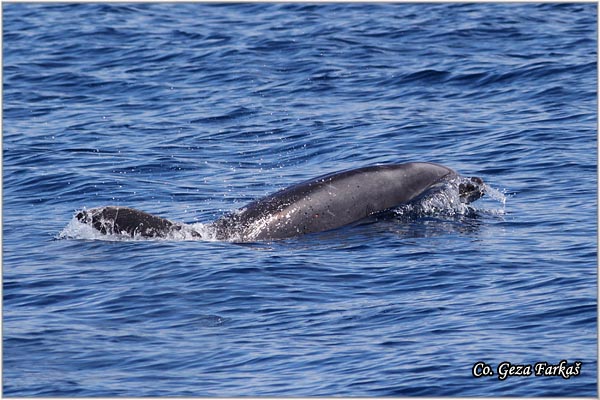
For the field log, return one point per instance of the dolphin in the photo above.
(116, 220)
(320, 204)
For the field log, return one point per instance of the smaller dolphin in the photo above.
(114, 220)
(327, 202)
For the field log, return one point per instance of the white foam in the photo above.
(76, 229)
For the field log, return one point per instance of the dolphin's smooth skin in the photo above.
(324, 203)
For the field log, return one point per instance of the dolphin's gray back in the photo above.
(320, 204)
(331, 201)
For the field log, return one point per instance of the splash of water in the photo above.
(445, 200)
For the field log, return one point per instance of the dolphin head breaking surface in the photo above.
(471, 190)
(320, 204)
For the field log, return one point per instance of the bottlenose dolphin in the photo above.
(323, 203)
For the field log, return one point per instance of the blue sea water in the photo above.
(189, 111)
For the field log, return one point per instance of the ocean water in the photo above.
(189, 111)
